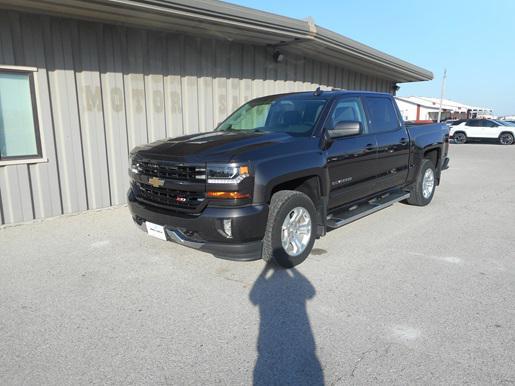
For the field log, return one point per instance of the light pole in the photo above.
(441, 95)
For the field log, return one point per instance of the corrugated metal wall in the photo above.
(103, 89)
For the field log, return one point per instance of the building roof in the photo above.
(235, 23)
(434, 103)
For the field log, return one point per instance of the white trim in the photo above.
(26, 161)
(18, 68)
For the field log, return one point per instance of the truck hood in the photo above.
(214, 146)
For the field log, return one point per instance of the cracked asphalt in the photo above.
(405, 296)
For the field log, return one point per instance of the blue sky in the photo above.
(473, 39)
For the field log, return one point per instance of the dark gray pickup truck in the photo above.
(283, 170)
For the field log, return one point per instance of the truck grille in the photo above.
(169, 198)
(171, 171)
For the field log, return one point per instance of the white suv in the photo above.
(504, 132)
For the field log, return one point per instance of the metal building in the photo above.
(82, 82)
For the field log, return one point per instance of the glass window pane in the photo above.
(382, 114)
(348, 109)
(17, 134)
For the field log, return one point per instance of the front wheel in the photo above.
(290, 231)
(425, 184)
(506, 139)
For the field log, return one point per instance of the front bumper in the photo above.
(203, 231)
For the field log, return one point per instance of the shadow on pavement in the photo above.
(286, 345)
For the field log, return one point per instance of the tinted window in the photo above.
(474, 123)
(348, 109)
(382, 116)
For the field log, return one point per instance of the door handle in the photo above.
(404, 141)
(369, 147)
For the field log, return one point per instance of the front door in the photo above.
(351, 161)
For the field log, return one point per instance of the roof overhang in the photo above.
(226, 21)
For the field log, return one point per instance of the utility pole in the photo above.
(441, 95)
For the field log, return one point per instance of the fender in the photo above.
(274, 171)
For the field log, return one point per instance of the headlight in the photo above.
(226, 174)
(133, 163)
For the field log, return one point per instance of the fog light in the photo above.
(228, 227)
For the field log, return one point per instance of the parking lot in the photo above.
(408, 295)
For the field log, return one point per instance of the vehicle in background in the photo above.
(481, 129)
(454, 122)
(281, 171)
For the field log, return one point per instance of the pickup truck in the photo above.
(283, 170)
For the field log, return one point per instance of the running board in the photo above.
(344, 217)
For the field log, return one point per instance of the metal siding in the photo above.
(221, 73)
(173, 88)
(103, 89)
(46, 194)
(111, 70)
(154, 85)
(91, 114)
(68, 134)
(205, 85)
(190, 85)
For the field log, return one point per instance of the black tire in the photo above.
(282, 203)
(506, 139)
(417, 196)
(459, 137)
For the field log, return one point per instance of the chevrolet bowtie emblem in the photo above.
(156, 182)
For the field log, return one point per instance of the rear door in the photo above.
(491, 129)
(393, 147)
(351, 161)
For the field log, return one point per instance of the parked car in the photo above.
(283, 170)
(454, 122)
(476, 129)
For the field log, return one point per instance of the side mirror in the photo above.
(344, 129)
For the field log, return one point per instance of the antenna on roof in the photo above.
(318, 91)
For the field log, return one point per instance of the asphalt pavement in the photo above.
(408, 295)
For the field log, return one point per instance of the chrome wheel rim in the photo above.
(428, 183)
(296, 231)
(506, 139)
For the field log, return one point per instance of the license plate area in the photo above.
(155, 230)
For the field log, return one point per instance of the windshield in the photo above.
(506, 123)
(292, 115)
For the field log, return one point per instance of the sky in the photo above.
(473, 39)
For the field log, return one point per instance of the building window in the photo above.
(19, 132)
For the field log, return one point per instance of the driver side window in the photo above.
(348, 110)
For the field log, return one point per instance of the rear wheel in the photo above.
(425, 184)
(460, 137)
(290, 232)
(506, 139)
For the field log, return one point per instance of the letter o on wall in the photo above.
(116, 99)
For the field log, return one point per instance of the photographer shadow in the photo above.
(286, 345)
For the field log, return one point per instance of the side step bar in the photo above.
(346, 216)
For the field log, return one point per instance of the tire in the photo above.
(460, 137)
(506, 139)
(288, 203)
(419, 196)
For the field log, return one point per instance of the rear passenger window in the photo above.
(382, 116)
